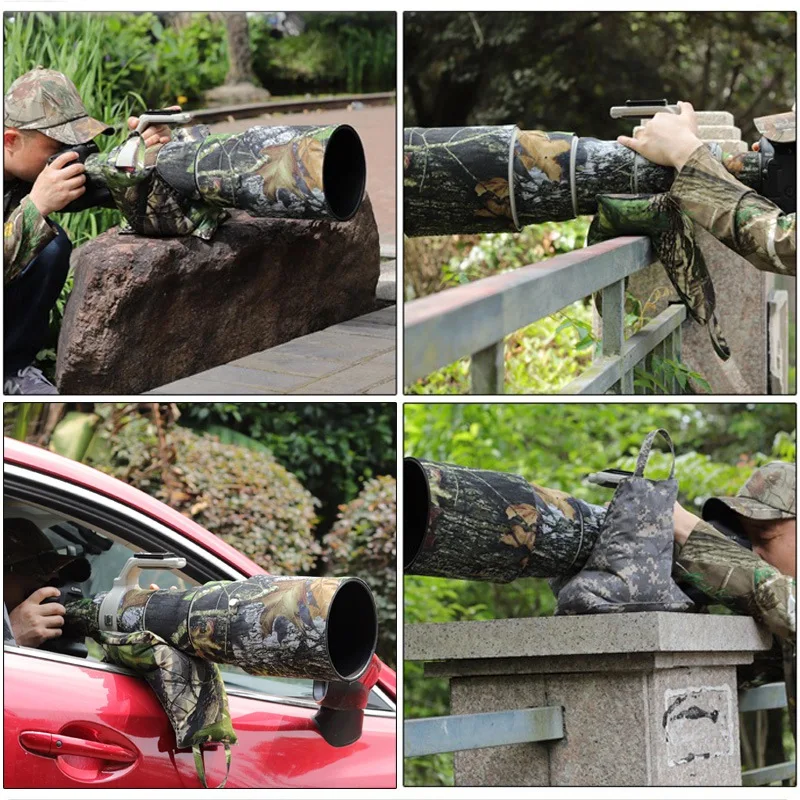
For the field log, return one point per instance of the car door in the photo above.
(115, 730)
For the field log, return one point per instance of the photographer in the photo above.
(31, 566)
(761, 583)
(43, 114)
(740, 218)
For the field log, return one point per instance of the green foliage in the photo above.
(331, 447)
(243, 496)
(556, 445)
(363, 543)
(539, 359)
(563, 70)
(337, 55)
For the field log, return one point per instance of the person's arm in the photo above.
(26, 233)
(741, 219)
(735, 577)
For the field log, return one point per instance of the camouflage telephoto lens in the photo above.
(491, 526)
(501, 178)
(291, 627)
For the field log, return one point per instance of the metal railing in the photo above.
(424, 737)
(473, 320)
(771, 695)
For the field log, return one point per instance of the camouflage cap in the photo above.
(23, 542)
(47, 101)
(777, 127)
(769, 493)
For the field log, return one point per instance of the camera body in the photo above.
(95, 196)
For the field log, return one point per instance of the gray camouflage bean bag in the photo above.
(630, 567)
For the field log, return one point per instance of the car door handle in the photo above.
(54, 744)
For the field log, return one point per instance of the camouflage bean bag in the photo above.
(630, 567)
(671, 233)
(189, 689)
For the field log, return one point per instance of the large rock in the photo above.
(144, 312)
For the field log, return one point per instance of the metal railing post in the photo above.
(487, 371)
(614, 327)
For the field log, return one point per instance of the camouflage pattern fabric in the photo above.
(740, 218)
(630, 567)
(745, 583)
(183, 187)
(47, 101)
(672, 236)
(494, 526)
(189, 689)
(769, 493)
(267, 625)
(25, 231)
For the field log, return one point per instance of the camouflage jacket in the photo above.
(25, 231)
(743, 582)
(740, 218)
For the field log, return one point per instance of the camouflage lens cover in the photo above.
(492, 526)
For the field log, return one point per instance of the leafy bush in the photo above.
(363, 542)
(334, 58)
(331, 447)
(243, 496)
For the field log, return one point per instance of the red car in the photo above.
(80, 702)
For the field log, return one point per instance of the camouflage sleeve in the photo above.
(738, 579)
(25, 234)
(740, 218)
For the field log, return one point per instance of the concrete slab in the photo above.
(643, 632)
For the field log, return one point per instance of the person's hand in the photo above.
(34, 623)
(684, 523)
(153, 134)
(58, 184)
(667, 139)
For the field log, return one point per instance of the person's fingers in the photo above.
(64, 159)
(56, 621)
(756, 147)
(52, 609)
(75, 193)
(52, 633)
(71, 171)
(43, 593)
(73, 183)
(154, 587)
(629, 142)
(132, 123)
(686, 108)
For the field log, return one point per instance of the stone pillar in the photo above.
(742, 293)
(650, 699)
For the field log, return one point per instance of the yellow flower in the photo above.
(181, 99)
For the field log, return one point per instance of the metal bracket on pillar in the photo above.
(424, 737)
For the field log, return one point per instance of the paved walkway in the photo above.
(353, 357)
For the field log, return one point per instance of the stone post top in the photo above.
(641, 632)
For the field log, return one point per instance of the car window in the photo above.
(106, 554)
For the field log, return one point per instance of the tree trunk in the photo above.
(240, 66)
